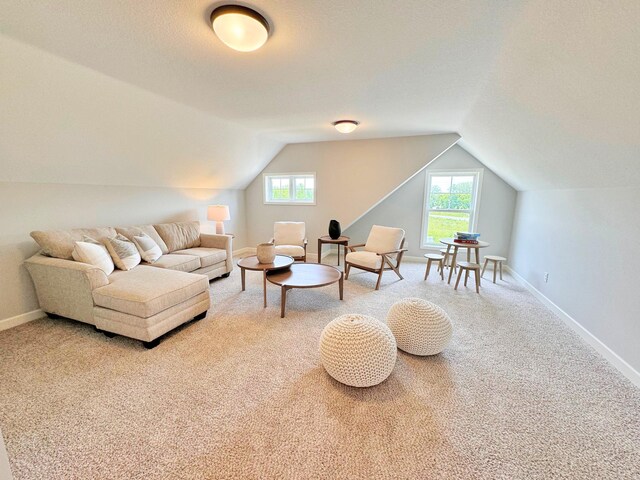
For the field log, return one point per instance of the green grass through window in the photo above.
(445, 225)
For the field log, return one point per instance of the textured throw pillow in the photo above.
(149, 250)
(94, 253)
(123, 252)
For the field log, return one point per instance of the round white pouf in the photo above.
(420, 327)
(358, 350)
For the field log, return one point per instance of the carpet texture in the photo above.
(242, 394)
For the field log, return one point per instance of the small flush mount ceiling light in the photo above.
(346, 126)
(240, 28)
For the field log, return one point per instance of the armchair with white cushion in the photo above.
(383, 251)
(290, 239)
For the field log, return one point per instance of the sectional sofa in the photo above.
(142, 303)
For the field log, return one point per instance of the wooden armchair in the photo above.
(290, 239)
(383, 251)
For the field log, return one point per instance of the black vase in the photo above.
(334, 229)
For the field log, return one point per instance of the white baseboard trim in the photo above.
(243, 252)
(608, 354)
(411, 258)
(11, 322)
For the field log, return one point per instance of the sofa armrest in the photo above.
(94, 276)
(65, 287)
(223, 242)
(212, 240)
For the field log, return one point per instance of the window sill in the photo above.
(309, 204)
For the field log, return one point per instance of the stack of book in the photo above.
(467, 238)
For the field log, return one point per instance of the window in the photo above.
(450, 203)
(290, 188)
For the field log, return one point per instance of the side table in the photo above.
(341, 240)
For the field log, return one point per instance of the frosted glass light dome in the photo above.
(346, 126)
(240, 28)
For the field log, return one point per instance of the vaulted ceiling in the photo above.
(543, 92)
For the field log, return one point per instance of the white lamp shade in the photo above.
(218, 213)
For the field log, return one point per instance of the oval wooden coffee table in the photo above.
(305, 275)
(252, 263)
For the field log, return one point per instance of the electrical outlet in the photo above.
(546, 277)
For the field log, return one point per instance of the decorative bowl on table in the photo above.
(266, 252)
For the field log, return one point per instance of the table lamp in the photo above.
(218, 214)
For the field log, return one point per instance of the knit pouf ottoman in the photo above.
(358, 350)
(420, 327)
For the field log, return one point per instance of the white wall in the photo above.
(587, 240)
(352, 177)
(404, 208)
(31, 206)
(64, 123)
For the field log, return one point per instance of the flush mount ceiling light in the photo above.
(346, 126)
(240, 28)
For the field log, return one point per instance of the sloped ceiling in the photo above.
(541, 91)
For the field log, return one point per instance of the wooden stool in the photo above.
(447, 259)
(497, 263)
(467, 267)
(434, 257)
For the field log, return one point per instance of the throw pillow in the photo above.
(123, 252)
(149, 250)
(94, 253)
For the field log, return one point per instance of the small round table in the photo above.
(469, 246)
(341, 240)
(251, 263)
(305, 275)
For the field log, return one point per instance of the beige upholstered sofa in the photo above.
(142, 303)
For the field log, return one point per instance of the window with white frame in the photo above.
(290, 188)
(450, 204)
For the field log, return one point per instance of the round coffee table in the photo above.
(305, 275)
(251, 263)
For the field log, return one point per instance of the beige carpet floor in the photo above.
(241, 394)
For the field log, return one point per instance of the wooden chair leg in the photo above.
(441, 270)
(379, 278)
(495, 270)
(458, 279)
(477, 280)
(484, 267)
(347, 267)
(426, 273)
(500, 270)
(466, 276)
(395, 268)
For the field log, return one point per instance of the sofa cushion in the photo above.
(182, 263)
(146, 291)
(365, 259)
(292, 250)
(123, 252)
(149, 250)
(289, 233)
(178, 236)
(60, 243)
(129, 232)
(208, 256)
(94, 253)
